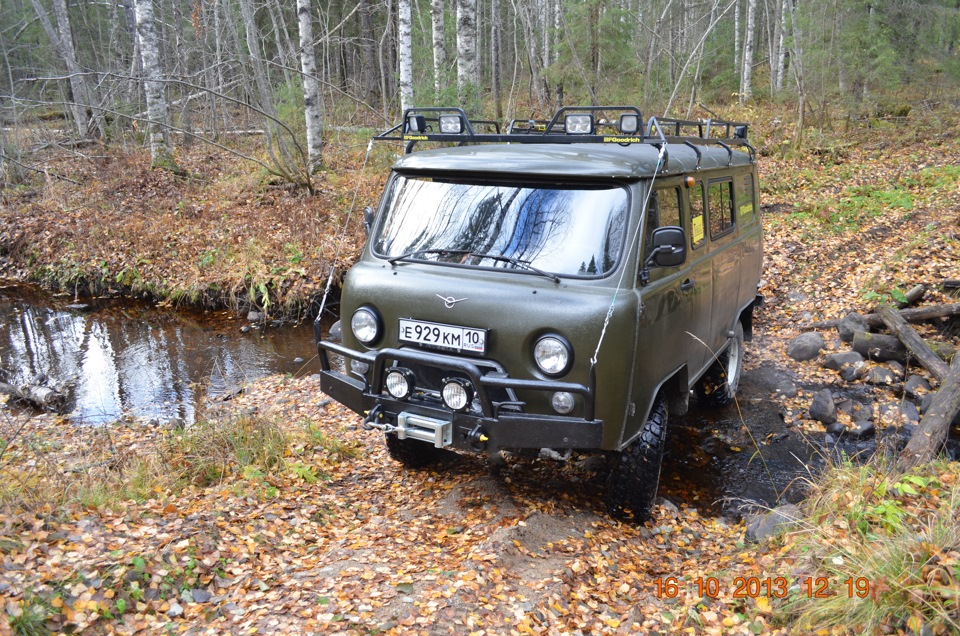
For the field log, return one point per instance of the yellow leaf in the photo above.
(612, 623)
(763, 603)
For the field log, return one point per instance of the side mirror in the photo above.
(367, 219)
(669, 247)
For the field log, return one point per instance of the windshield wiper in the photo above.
(441, 252)
(516, 262)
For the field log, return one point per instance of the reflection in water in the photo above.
(134, 358)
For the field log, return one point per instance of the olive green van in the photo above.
(562, 285)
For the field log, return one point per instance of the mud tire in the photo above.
(632, 485)
(412, 453)
(718, 386)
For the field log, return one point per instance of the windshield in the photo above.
(571, 231)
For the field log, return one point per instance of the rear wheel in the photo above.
(633, 482)
(412, 453)
(718, 386)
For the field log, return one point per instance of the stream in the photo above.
(130, 358)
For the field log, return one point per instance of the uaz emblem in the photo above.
(450, 301)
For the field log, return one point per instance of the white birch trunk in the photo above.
(746, 77)
(405, 46)
(736, 34)
(467, 70)
(781, 46)
(496, 63)
(439, 48)
(161, 154)
(311, 91)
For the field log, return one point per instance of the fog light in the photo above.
(457, 394)
(400, 383)
(359, 367)
(562, 402)
(629, 124)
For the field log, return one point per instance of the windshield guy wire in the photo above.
(343, 231)
(613, 301)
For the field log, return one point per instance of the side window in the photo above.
(720, 206)
(662, 210)
(745, 199)
(697, 234)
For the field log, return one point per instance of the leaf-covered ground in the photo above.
(337, 538)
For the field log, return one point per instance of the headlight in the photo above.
(366, 325)
(553, 355)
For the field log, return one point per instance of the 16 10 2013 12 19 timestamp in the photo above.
(770, 586)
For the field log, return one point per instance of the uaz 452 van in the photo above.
(562, 285)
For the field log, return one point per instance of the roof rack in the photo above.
(621, 125)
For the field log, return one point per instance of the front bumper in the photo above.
(495, 426)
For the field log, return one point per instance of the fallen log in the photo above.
(915, 314)
(882, 347)
(914, 294)
(36, 395)
(913, 342)
(931, 434)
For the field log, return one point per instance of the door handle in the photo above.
(688, 284)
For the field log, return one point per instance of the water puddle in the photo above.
(127, 357)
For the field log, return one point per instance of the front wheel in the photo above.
(632, 486)
(718, 386)
(412, 453)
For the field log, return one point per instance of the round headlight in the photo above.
(400, 383)
(457, 394)
(562, 402)
(365, 325)
(552, 355)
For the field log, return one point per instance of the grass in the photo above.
(887, 543)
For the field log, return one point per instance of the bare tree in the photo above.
(746, 75)
(405, 44)
(439, 47)
(311, 92)
(161, 152)
(468, 76)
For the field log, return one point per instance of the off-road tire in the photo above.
(632, 485)
(412, 453)
(718, 386)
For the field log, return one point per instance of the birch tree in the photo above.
(405, 44)
(439, 47)
(468, 76)
(746, 75)
(311, 92)
(161, 152)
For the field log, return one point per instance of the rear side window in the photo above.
(720, 203)
(697, 223)
(745, 199)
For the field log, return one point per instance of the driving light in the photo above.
(578, 124)
(562, 402)
(457, 394)
(629, 124)
(416, 124)
(552, 355)
(451, 124)
(366, 325)
(400, 383)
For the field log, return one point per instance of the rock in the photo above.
(863, 429)
(668, 505)
(909, 413)
(298, 360)
(594, 464)
(890, 413)
(763, 526)
(916, 387)
(880, 376)
(245, 329)
(255, 316)
(850, 325)
(853, 372)
(896, 367)
(806, 346)
(175, 610)
(823, 409)
(836, 361)
(201, 595)
(787, 389)
(925, 403)
(837, 429)
(336, 332)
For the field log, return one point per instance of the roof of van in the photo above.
(591, 161)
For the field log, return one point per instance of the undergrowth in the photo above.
(882, 548)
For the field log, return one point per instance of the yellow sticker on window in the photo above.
(746, 209)
(697, 229)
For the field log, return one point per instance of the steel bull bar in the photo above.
(495, 427)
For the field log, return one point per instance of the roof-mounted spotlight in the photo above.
(629, 124)
(451, 124)
(578, 124)
(740, 132)
(416, 124)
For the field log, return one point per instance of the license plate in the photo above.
(450, 337)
